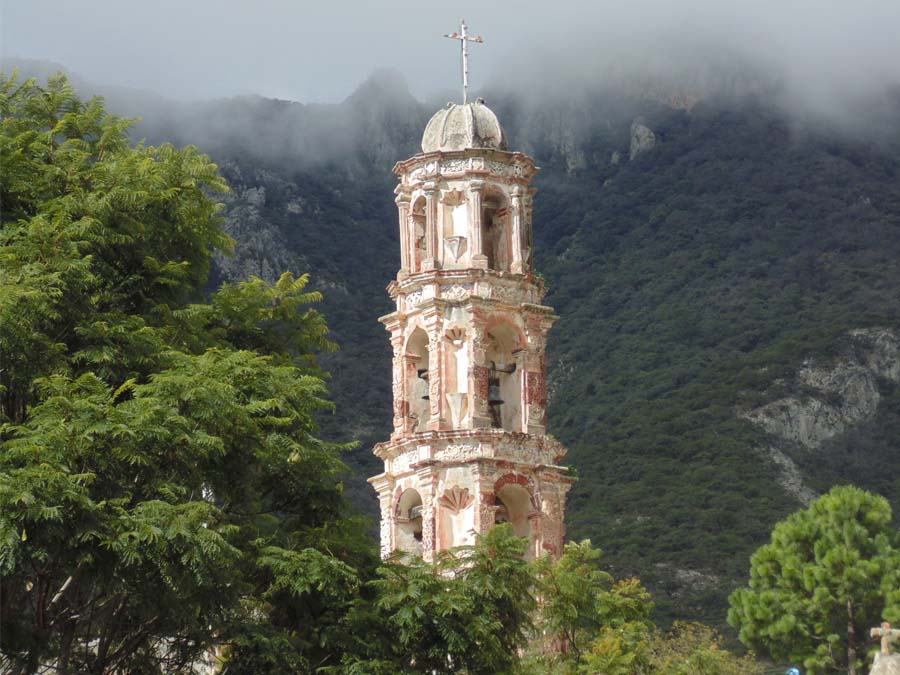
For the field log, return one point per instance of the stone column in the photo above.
(479, 376)
(427, 486)
(383, 485)
(398, 384)
(432, 241)
(406, 266)
(517, 265)
(476, 226)
(534, 383)
(486, 501)
(434, 326)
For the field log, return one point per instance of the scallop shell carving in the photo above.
(456, 499)
(456, 335)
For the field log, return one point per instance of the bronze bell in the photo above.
(494, 391)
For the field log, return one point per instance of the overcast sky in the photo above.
(321, 50)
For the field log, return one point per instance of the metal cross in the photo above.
(464, 37)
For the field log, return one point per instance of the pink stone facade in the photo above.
(469, 446)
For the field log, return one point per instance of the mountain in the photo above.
(727, 273)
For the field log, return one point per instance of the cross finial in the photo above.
(887, 635)
(464, 37)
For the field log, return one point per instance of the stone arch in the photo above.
(517, 503)
(503, 342)
(417, 233)
(495, 230)
(417, 361)
(408, 517)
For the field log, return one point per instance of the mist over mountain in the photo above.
(726, 268)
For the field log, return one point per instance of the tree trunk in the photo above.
(851, 640)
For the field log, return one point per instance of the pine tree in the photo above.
(830, 572)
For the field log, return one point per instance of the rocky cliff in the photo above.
(828, 399)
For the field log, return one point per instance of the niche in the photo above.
(495, 233)
(417, 392)
(417, 222)
(504, 377)
(409, 522)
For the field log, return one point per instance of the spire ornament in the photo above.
(464, 37)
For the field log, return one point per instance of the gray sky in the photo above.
(321, 50)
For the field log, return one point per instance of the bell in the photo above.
(415, 512)
(494, 391)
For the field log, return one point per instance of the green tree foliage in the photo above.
(162, 487)
(467, 612)
(582, 605)
(830, 573)
(590, 624)
(694, 649)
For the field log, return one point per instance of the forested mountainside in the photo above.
(728, 279)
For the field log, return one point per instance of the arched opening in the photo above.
(504, 378)
(417, 393)
(409, 522)
(495, 232)
(514, 506)
(417, 218)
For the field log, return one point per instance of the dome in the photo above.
(459, 127)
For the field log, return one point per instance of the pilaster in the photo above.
(518, 220)
(432, 241)
(402, 201)
(476, 223)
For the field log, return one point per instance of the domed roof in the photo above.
(458, 127)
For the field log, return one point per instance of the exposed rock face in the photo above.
(886, 665)
(835, 397)
(642, 138)
(789, 477)
(840, 395)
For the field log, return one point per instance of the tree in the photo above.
(830, 572)
(694, 649)
(163, 494)
(590, 623)
(467, 612)
(583, 606)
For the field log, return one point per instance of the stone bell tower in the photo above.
(469, 447)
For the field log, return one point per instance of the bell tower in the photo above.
(469, 446)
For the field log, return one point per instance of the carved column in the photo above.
(518, 221)
(398, 384)
(384, 487)
(486, 500)
(476, 226)
(535, 382)
(427, 487)
(432, 204)
(402, 202)
(434, 326)
(479, 376)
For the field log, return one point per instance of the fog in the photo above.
(824, 55)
